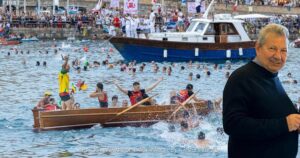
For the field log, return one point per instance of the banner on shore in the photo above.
(191, 6)
(56, 2)
(115, 4)
(130, 6)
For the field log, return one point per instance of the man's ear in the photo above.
(257, 47)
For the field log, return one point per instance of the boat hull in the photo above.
(106, 117)
(143, 50)
(6, 42)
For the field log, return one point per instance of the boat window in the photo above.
(192, 25)
(200, 27)
(249, 28)
(210, 30)
(228, 29)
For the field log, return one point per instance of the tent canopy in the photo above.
(252, 16)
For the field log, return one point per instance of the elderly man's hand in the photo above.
(293, 121)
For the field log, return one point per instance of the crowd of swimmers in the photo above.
(133, 68)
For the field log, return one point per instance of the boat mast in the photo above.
(205, 15)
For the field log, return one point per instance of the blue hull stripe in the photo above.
(148, 53)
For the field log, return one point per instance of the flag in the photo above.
(98, 6)
(234, 8)
(130, 6)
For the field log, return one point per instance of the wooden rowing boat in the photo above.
(107, 117)
(6, 42)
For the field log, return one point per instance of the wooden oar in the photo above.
(182, 105)
(131, 107)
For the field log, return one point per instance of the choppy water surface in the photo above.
(22, 84)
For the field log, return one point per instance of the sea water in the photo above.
(22, 85)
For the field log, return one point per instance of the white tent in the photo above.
(252, 16)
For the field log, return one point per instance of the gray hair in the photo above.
(272, 28)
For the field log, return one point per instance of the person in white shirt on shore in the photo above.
(147, 26)
(128, 25)
(133, 27)
(152, 21)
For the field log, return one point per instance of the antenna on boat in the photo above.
(208, 9)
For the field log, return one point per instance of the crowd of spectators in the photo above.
(114, 22)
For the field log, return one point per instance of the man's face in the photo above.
(273, 54)
(125, 103)
(115, 101)
(67, 67)
(136, 87)
(47, 96)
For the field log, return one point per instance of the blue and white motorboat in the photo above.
(220, 38)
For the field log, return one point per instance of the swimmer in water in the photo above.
(169, 71)
(190, 65)
(208, 73)
(216, 67)
(190, 76)
(171, 128)
(182, 68)
(164, 70)
(227, 75)
(125, 103)
(201, 142)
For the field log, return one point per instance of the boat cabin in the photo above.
(221, 29)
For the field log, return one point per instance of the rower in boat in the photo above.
(44, 101)
(114, 101)
(47, 103)
(101, 95)
(52, 105)
(137, 94)
(188, 91)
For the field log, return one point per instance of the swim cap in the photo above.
(189, 87)
(47, 93)
(171, 128)
(184, 124)
(186, 114)
(201, 135)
